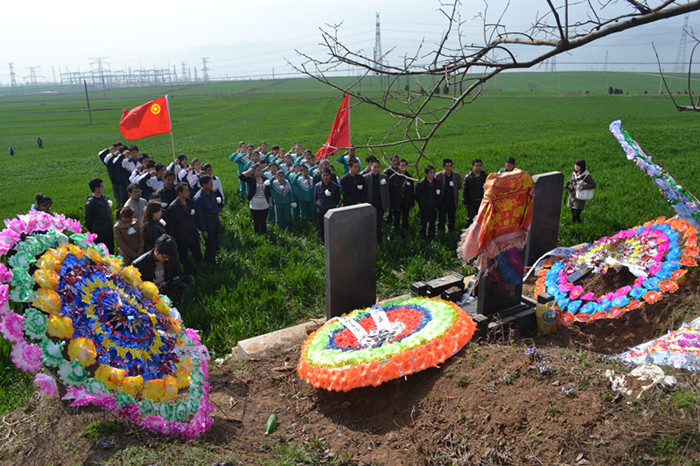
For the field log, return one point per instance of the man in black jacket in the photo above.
(167, 192)
(473, 191)
(352, 185)
(327, 196)
(428, 195)
(98, 214)
(402, 195)
(160, 266)
(183, 226)
(377, 193)
(450, 183)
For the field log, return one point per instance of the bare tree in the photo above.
(465, 66)
(694, 102)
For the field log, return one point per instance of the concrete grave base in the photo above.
(264, 346)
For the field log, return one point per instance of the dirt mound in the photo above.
(490, 403)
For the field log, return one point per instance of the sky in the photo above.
(251, 39)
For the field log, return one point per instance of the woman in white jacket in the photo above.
(580, 180)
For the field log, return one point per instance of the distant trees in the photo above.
(612, 91)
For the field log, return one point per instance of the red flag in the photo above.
(340, 133)
(146, 120)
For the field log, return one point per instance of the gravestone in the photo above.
(546, 211)
(351, 258)
(500, 289)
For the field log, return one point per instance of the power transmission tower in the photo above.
(682, 48)
(32, 74)
(100, 71)
(13, 81)
(378, 45)
(205, 70)
(553, 64)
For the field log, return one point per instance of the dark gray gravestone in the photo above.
(501, 287)
(546, 211)
(351, 258)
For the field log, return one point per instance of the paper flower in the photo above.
(655, 252)
(109, 323)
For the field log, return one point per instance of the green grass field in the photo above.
(261, 284)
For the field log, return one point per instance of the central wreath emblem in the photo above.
(155, 109)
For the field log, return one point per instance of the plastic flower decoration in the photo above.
(655, 253)
(374, 345)
(683, 202)
(678, 348)
(99, 334)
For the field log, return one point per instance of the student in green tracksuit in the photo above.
(242, 158)
(347, 156)
(303, 188)
(292, 176)
(282, 198)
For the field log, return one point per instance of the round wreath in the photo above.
(373, 345)
(655, 253)
(105, 334)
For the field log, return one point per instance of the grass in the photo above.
(264, 283)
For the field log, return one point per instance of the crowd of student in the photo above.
(162, 211)
(289, 186)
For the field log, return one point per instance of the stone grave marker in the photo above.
(546, 210)
(351, 258)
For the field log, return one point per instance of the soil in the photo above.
(489, 404)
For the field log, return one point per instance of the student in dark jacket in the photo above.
(160, 266)
(428, 195)
(327, 197)
(152, 224)
(377, 185)
(98, 214)
(450, 183)
(107, 156)
(473, 191)
(352, 185)
(402, 195)
(182, 225)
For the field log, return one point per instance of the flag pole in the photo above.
(172, 140)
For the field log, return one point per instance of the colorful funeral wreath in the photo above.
(373, 345)
(655, 253)
(105, 334)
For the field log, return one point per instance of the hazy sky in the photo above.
(249, 39)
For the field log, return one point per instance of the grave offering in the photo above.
(628, 270)
(683, 202)
(94, 332)
(679, 348)
(373, 345)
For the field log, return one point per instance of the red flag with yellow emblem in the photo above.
(146, 120)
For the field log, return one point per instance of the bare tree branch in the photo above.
(461, 67)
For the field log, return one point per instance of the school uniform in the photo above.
(107, 158)
(167, 196)
(378, 196)
(344, 160)
(304, 194)
(428, 196)
(241, 159)
(450, 186)
(402, 197)
(353, 189)
(282, 198)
